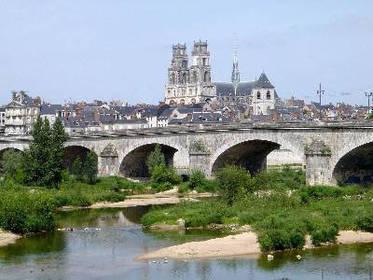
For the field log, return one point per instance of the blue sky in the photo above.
(120, 49)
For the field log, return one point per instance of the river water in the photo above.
(106, 241)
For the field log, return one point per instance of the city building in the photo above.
(21, 113)
(259, 94)
(51, 112)
(2, 119)
(189, 84)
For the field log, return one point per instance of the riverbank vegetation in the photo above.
(278, 206)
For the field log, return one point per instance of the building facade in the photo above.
(259, 94)
(21, 113)
(189, 84)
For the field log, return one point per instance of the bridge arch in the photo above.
(76, 151)
(134, 165)
(251, 155)
(251, 152)
(354, 166)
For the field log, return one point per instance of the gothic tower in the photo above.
(193, 84)
(235, 73)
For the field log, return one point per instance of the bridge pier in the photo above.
(108, 162)
(318, 161)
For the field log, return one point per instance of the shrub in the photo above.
(12, 165)
(155, 158)
(232, 181)
(280, 239)
(319, 192)
(89, 168)
(25, 212)
(197, 179)
(324, 233)
(365, 221)
(162, 174)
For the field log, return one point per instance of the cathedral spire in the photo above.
(235, 72)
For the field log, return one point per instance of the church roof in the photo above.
(244, 88)
(263, 82)
(227, 89)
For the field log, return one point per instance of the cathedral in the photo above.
(192, 84)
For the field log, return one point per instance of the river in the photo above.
(106, 241)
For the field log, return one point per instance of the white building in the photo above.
(21, 113)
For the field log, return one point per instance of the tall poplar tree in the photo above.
(43, 161)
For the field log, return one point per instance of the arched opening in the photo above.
(251, 155)
(134, 163)
(71, 153)
(355, 167)
(206, 77)
(4, 151)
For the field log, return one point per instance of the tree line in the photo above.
(42, 164)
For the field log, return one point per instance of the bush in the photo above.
(282, 179)
(12, 166)
(162, 174)
(24, 212)
(319, 192)
(280, 239)
(155, 158)
(324, 233)
(365, 221)
(232, 181)
(197, 179)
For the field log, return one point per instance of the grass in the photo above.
(31, 209)
(281, 209)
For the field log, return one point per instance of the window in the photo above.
(206, 77)
(204, 61)
(258, 95)
(268, 95)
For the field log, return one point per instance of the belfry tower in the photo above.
(189, 85)
(235, 73)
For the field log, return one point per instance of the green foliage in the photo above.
(365, 221)
(161, 174)
(89, 168)
(197, 179)
(324, 233)
(280, 216)
(201, 214)
(280, 239)
(23, 212)
(155, 158)
(280, 179)
(77, 169)
(12, 166)
(43, 162)
(232, 181)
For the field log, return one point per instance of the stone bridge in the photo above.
(331, 153)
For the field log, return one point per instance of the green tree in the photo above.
(44, 160)
(56, 167)
(12, 165)
(232, 181)
(77, 168)
(90, 168)
(155, 158)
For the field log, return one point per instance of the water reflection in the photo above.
(104, 244)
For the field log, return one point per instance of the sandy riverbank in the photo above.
(238, 245)
(7, 238)
(161, 198)
(232, 245)
(132, 202)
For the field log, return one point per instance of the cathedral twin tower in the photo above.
(189, 84)
(192, 84)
